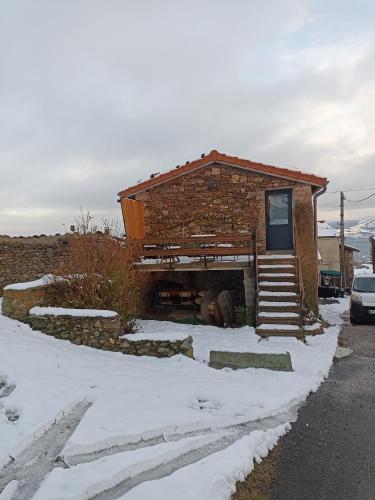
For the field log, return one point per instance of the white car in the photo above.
(362, 299)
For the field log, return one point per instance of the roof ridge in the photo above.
(215, 155)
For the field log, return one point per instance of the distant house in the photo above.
(329, 251)
(224, 222)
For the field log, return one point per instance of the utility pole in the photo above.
(342, 239)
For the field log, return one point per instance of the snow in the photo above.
(362, 230)
(278, 315)
(364, 270)
(276, 283)
(276, 256)
(277, 275)
(62, 311)
(108, 471)
(277, 294)
(327, 231)
(332, 310)
(277, 304)
(278, 326)
(135, 399)
(45, 280)
(277, 266)
(172, 336)
(215, 476)
(313, 327)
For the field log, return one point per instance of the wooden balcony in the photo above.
(206, 252)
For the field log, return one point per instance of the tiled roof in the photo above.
(215, 156)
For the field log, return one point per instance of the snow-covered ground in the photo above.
(156, 428)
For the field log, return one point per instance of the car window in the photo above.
(364, 285)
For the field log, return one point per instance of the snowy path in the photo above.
(193, 456)
(30, 467)
(154, 428)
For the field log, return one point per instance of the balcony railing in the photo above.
(202, 247)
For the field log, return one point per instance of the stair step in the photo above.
(277, 296)
(274, 306)
(278, 287)
(281, 321)
(276, 260)
(277, 329)
(276, 266)
(277, 277)
(285, 284)
(276, 256)
(267, 314)
(280, 333)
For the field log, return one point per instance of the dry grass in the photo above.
(259, 484)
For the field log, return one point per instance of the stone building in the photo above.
(329, 252)
(222, 213)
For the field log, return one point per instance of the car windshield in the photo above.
(364, 285)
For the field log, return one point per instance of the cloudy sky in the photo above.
(97, 94)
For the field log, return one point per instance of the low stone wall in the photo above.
(158, 348)
(104, 333)
(99, 332)
(94, 331)
(17, 303)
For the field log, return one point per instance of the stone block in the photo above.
(237, 360)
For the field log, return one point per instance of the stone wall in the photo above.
(227, 200)
(217, 198)
(17, 303)
(158, 348)
(93, 331)
(29, 258)
(99, 332)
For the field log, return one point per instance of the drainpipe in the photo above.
(315, 197)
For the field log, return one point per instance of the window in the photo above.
(278, 209)
(365, 285)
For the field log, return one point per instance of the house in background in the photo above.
(329, 251)
(227, 223)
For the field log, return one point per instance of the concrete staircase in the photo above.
(279, 296)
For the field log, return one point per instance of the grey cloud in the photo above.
(95, 95)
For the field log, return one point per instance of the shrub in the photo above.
(100, 273)
(243, 316)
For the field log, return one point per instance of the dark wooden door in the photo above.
(279, 219)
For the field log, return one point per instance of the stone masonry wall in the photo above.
(17, 303)
(158, 348)
(216, 198)
(101, 333)
(227, 200)
(29, 258)
(98, 332)
(105, 333)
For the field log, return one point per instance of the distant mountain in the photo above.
(363, 229)
(358, 232)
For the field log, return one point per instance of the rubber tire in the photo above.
(354, 321)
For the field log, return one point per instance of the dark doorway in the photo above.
(279, 219)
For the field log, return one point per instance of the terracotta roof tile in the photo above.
(215, 156)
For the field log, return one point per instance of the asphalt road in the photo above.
(330, 452)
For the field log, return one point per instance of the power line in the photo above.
(363, 199)
(351, 190)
